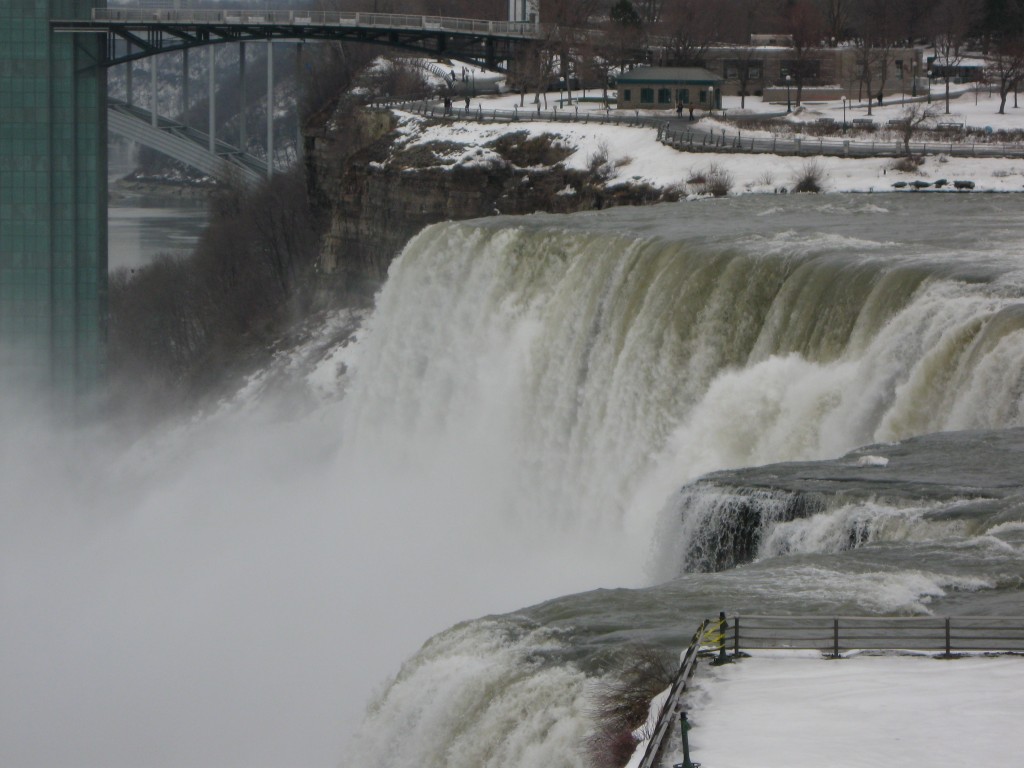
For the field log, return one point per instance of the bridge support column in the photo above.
(212, 122)
(298, 106)
(243, 108)
(53, 199)
(129, 67)
(270, 108)
(185, 101)
(153, 117)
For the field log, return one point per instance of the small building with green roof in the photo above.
(668, 87)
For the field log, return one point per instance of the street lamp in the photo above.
(711, 100)
(789, 103)
(929, 86)
(844, 113)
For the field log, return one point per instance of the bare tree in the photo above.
(1006, 67)
(570, 18)
(837, 16)
(913, 16)
(621, 42)
(1006, 58)
(688, 27)
(747, 16)
(951, 25)
(875, 37)
(916, 115)
(802, 20)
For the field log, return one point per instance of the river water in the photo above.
(591, 430)
(142, 226)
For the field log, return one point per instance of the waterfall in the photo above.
(519, 416)
(552, 382)
(578, 376)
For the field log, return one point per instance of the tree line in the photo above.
(680, 32)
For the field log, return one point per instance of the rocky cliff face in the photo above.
(381, 189)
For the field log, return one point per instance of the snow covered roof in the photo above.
(670, 75)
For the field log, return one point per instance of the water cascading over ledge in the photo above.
(562, 377)
(592, 370)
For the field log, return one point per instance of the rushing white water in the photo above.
(525, 397)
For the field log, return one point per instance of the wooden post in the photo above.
(835, 638)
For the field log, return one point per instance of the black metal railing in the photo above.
(670, 709)
(835, 635)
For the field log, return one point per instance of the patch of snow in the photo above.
(872, 461)
(782, 709)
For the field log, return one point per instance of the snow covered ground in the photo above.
(639, 159)
(791, 709)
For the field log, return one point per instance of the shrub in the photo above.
(621, 700)
(526, 151)
(810, 178)
(719, 182)
(906, 164)
(599, 163)
(697, 178)
(715, 180)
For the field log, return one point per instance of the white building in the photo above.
(524, 10)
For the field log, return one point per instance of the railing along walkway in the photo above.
(835, 635)
(670, 710)
(690, 140)
(477, 113)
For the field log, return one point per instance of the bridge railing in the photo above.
(150, 16)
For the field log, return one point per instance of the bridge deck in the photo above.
(151, 31)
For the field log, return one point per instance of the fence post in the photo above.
(948, 644)
(835, 638)
(723, 625)
(684, 726)
(736, 623)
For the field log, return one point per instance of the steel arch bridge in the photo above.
(138, 33)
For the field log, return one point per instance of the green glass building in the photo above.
(53, 190)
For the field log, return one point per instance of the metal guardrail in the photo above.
(150, 16)
(479, 114)
(835, 635)
(700, 141)
(670, 709)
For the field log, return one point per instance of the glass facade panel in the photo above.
(53, 239)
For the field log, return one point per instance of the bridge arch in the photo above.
(138, 33)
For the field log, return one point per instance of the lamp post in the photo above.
(844, 113)
(711, 99)
(929, 86)
(789, 103)
(913, 78)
